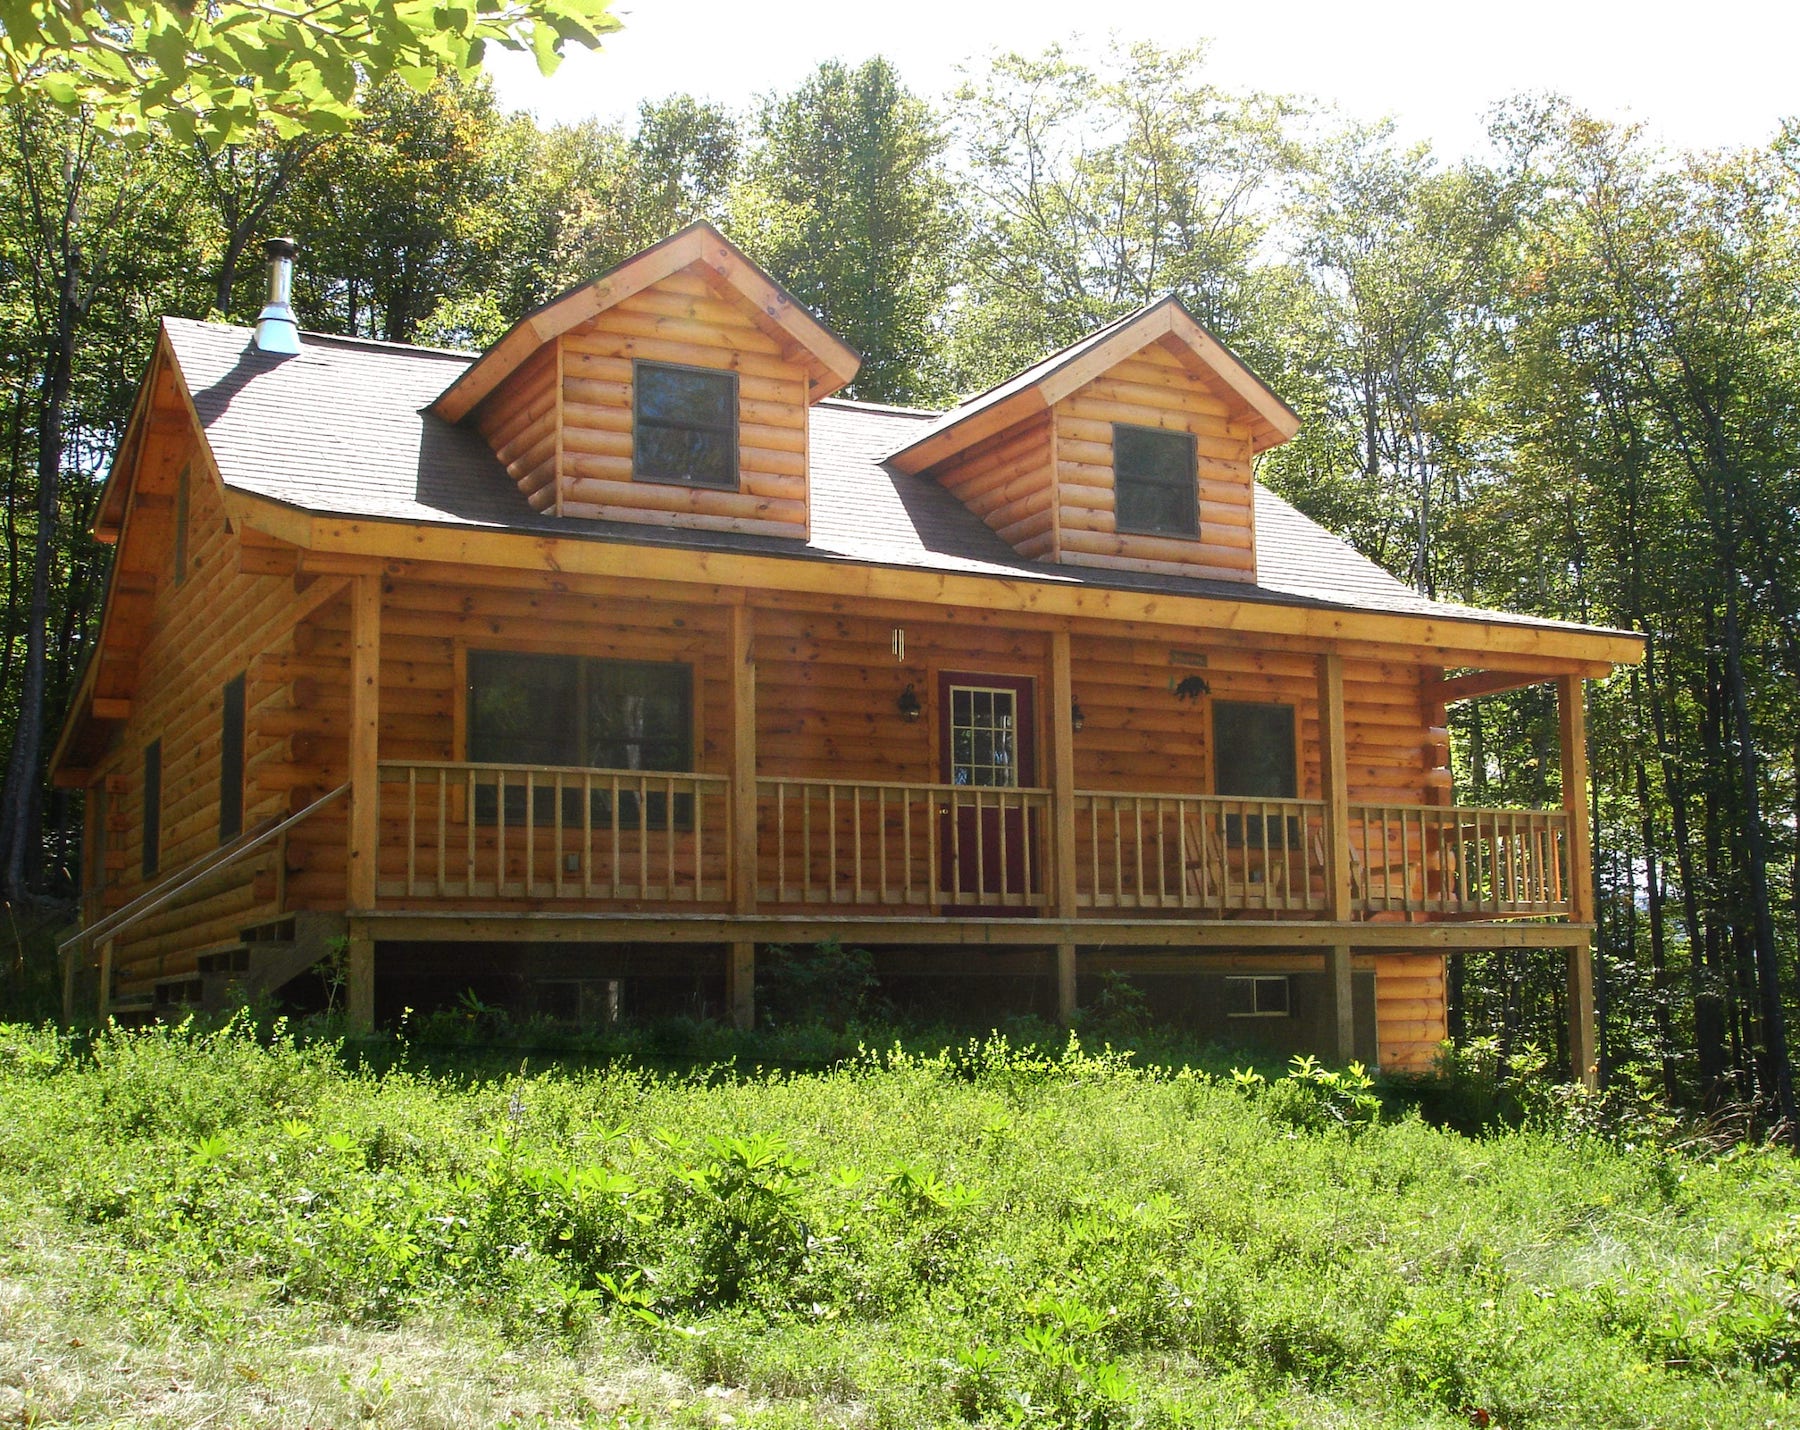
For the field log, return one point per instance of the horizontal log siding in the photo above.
(519, 421)
(686, 321)
(1007, 481)
(1411, 1017)
(1139, 738)
(196, 638)
(1153, 389)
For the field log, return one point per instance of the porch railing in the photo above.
(1199, 852)
(883, 844)
(508, 832)
(501, 831)
(1460, 862)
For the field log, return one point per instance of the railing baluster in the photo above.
(442, 815)
(412, 830)
(856, 878)
(500, 834)
(587, 835)
(530, 835)
(556, 857)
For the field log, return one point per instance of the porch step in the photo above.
(268, 957)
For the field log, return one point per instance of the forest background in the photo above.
(1559, 377)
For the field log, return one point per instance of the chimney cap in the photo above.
(279, 248)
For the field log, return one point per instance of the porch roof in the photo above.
(342, 429)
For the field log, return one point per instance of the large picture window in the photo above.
(1156, 481)
(578, 711)
(684, 425)
(1253, 758)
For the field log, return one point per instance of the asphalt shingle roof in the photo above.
(340, 429)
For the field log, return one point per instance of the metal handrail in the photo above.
(151, 900)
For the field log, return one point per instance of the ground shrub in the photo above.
(981, 1233)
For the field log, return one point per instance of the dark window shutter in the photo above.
(152, 807)
(231, 761)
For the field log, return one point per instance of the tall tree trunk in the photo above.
(18, 798)
(1780, 1072)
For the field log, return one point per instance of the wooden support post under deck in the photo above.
(1334, 780)
(740, 985)
(740, 968)
(1343, 1002)
(1062, 808)
(365, 723)
(106, 978)
(1583, 1044)
(359, 980)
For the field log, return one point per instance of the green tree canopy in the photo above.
(213, 72)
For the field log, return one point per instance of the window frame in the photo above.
(655, 815)
(1239, 828)
(638, 422)
(1257, 983)
(1189, 490)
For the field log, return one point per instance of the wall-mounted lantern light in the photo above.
(908, 705)
(1077, 718)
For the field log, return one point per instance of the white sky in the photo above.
(1701, 75)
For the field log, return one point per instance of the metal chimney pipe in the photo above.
(276, 329)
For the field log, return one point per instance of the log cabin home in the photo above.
(589, 664)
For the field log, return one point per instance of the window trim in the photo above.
(1191, 489)
(640, 365)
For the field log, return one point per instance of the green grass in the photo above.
(210, 1225)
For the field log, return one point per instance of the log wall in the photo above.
(562, 423)
(198, 635)
(1009, 481)
(1153, 389)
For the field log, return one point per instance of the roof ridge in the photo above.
(896, 409)
(339, 339)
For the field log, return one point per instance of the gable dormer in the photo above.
(671, 391)
(1132, 450)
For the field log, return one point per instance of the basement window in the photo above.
(684, 425)
(581, 713)
(1261, 996)
(1156, 481)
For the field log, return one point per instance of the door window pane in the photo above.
(983, 737)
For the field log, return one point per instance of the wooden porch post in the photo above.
(1334, 789)
(1334, 781)
(740, 965)
(1062, 811)
(1583, 1044)
(365, 814)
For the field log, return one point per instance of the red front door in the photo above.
(989, 859)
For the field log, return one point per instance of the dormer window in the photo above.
(684, 425)
(1156, 481)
